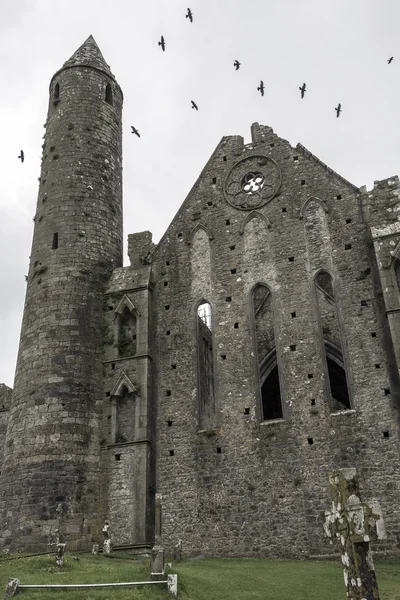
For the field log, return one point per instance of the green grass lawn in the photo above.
(208, 579)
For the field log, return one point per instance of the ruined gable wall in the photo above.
(251, 487)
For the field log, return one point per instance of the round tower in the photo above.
(51, 472)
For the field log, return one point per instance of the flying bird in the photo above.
(390, 60)
(135, 131)
(189, 15)
(162, 43)
(303, 90)
(22, 156)
(194, 105)
(261, 88)
(236, 64)
(338, 109)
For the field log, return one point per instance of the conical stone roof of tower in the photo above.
(89, 55)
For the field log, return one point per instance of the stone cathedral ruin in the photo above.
(229, 368)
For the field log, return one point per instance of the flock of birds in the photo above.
(236, 64)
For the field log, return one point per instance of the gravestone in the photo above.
(354, 523)
(157, 553)
(95, 548)
(12, 588)
(60, 555)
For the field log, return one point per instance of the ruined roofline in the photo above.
(309, 154)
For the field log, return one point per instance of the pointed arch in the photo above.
(122, 382)
(197, 228)
(125, 302)
(254, 214)
(311, 199)
(268, 386)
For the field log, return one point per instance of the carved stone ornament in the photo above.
(252, 182)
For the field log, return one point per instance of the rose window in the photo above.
(252, 182)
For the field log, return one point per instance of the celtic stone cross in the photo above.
(354, 523)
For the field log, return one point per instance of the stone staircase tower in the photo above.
(51, 469)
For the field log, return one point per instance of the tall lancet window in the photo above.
(205, 366)
(268, 370)
(332, 342)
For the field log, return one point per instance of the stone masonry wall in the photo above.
(5, 401)
(257, 487)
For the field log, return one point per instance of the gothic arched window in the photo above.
(127, 333)
(268, 370)
(205, 366)
(332, 342)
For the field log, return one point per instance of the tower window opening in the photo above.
(205, 366)
(56, 94)
(55, 241)
(109, 94)
(338, 384)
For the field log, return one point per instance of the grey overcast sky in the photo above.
(338, 47)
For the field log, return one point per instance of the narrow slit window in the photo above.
(55, 241)
(56, 94)
(205, 366)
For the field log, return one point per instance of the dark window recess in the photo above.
(386, 434)
(232, 247)
(214, 180)
(168, 332)
(169, 423)
(112, 366)
(310, 376)
(292, 347)
(55, 241)
(338, 384)
(347, 246)
(117, 457)
(348, 221)
(228, 299)
(171, 452)
(109, 94)
(107, 394)
(223, 356)
(209, 203)
(291, 259)
(173, 366)
(167, 263)
(367, 271)
(166, 307)
(387, 391)
(165, 283)
(303, 182)
(233, 271)
(219, 450)
(364, 303)
(283, 209)
(180, 235)
(293, 314)
(272, 145)
(224, 158)
(373, 333)
(377, 366)
(246, 411)
(236, 326)
(110, 308)
(227, 222)
(310, 441)
(312, 401)
(295, 158)
(271, 396)
(56, 91)
(168, 392)
(338, 197)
